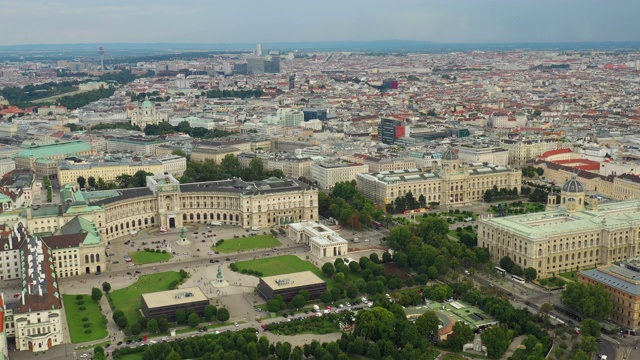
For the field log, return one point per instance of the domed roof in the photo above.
(147, 104)
(449, 155)
(573, 186)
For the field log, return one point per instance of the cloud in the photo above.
(216, 21)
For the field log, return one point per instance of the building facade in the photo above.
(484, 154)
(577, 233)
(322, 241)
(381, 164)
(622, 281)
(327, 175)
(146, 114)
(451, 183)
(165, 303)
(289, 285)
(525, 151)
(44, 159)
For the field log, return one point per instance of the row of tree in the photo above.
(228, 168)
(500, 194)
(139, 179)
(531, 171)
(164, 128)
(408, 202)
(81, 99)
(242, 94)
(350, 208)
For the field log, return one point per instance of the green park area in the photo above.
(135, 356)
(83, 318)
(128, 299)
(278, 265)
(148, 257)
(247, 243)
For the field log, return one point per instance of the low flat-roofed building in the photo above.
(165, 303)
(214, 154)
(322, 241)
(289, 285)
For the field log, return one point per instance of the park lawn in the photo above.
(572, 275)
(284, 264)
(75, 315)
(128, 299)
(147, 257)
(247, 243)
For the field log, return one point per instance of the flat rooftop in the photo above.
(458, 310)
(286, 281)
(174, 297)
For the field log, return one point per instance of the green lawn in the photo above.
(572, 275)
(128, 299)
(145, 257)
(284, 264)
(248, 243)
(75, 318)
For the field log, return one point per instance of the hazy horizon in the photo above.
(287, 21)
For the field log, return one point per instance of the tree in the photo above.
(386, 257)
(273, 305)
(497, 340)
(590, 327)
(163, 324)
(223, 314)
(427, 323)
(209, 312)
(181, 317)
(326, 297)
(374, 258)
(506, 263)
(461, 335)
(530, 274)
(122, 322)
(328, 269)
(106, 287)
(375, 324)
(194, 320)
(82, 181)
(588, 344)
(136, 329)
(91, 181)
(592, 301)
(173, 355)
(96, 294)
(152, 326)
(298, 301)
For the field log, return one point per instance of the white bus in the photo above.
(501, 271)
(517, 279)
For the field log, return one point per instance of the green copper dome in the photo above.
(147, 104)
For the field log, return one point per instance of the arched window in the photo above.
(86, 259)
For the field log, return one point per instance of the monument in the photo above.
(476, 346)
(219, 281)
(183, 238)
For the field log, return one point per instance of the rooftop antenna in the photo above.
(101, 51)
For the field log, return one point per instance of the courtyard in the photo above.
(84, 318)
(247, 243)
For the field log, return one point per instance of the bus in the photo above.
(501, 271)
(517, 279)
(376, 224)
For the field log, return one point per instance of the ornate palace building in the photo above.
(577, 233)
(451, 183)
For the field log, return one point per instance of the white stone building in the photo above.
(323, 242)
(329, 174)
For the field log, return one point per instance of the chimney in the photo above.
(40, 290)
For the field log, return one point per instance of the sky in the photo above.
(264, 21)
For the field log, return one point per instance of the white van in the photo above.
(255, 228)
(216, 223)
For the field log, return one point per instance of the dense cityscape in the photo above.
(417, 204)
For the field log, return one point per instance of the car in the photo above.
(128, 342)
(217, 252)
(341, 306)
(115, 262)
(466, 272)
(138, 272)
(197, 249)
(211, 261)
(129, 273)
(84, 356)
(16, 295)
(598, 340)
(235, 324)
(165, 339)
(227, 259)
(119, 343)
(285, 315)
(348, 304)
(107, 346)
(195, 233)
(306, 311)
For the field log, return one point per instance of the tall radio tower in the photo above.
(101, 51)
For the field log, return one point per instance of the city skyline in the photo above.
(253, 21)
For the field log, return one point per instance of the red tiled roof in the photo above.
(555, 152)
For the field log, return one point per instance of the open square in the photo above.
(76, 318)
(247, 243)
(128, 299)
(148, 257)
